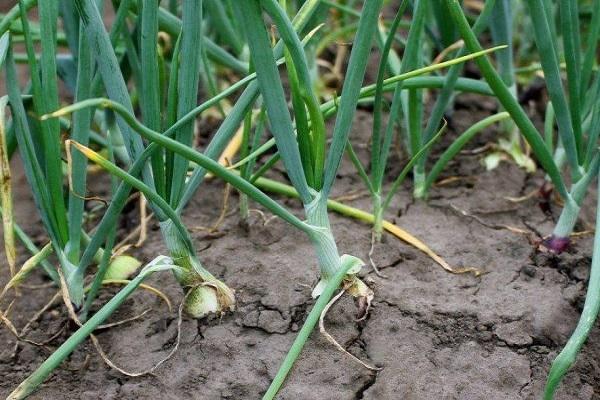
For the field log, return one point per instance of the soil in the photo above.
(436, 335)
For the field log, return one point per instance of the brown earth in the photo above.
(436, 335)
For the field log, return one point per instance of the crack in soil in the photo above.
(363, 389)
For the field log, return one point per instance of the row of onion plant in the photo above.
(155, 155)
(159, 149)
(576, 112)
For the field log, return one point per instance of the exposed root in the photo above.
(452, 179)
(353, 195)
(144, 286)
(143, 223)
(488, 225)
(151, 370)
(265, 219)
(73, 315)
(261, 214)
(123, 321)
(215, 226)
(330, 338)
(373, 264)
(521, 199)
(364, 305)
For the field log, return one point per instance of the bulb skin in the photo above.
(556, 244)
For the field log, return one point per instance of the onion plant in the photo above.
(167, 172)
(418, 133)
(309, 151)
(39, 142)
(142, 133)
(382, 141)
(502, 32)
(566, 358)
(213, 295)
(410, 107)
(576, 112)
(176, 189)
(267, 82)
(314, 197)
(39, 145)
(310, 167)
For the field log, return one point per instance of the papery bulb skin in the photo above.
(201, 301)
(556, 244)
(207, 299)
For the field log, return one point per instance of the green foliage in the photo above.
(140, 84)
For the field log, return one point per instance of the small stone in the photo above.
(273, 322)
(574, 293)
(541, 349)
(581, 272)
(513, 333)
(250, 320)
(529, 270)
(586, 392)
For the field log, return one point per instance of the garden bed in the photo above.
(435, 335)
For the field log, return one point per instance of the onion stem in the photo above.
(567, 356)
(305, 331)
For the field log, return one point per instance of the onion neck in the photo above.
(567, 219)
(419, 181)
(328, 256)
(560, 238)
(377, 217)
(205, 293)
(322, 237)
